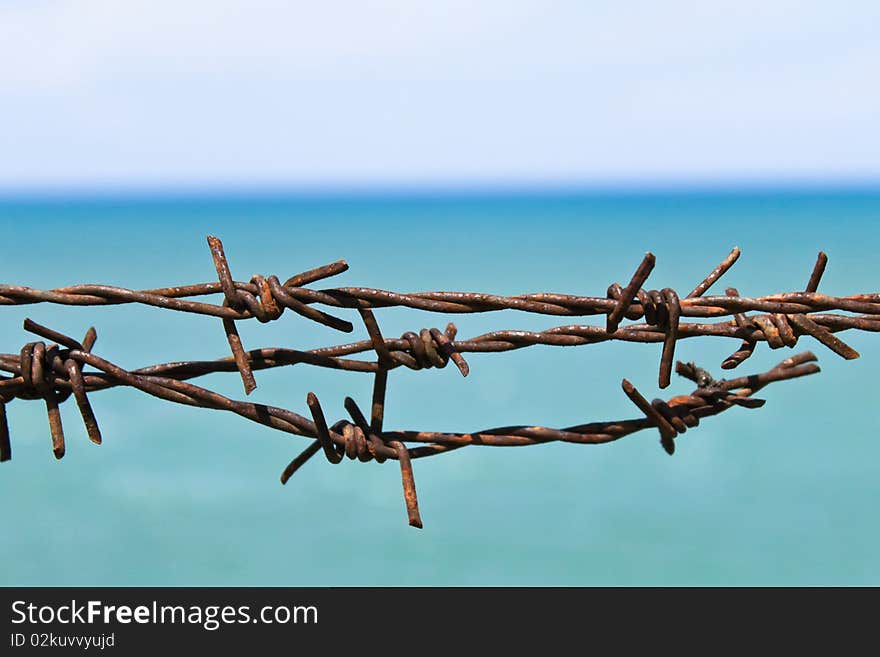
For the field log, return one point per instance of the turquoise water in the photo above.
(181, 496)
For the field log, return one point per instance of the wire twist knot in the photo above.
(431, 348)
(51, 373)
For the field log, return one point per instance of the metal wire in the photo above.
(53, 372)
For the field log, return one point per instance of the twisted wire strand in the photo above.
(404, 351)
(252, 295)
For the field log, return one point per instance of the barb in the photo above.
(55, 371)
(717, 273)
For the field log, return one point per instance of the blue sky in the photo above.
(155, 94)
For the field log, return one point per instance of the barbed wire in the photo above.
(54, 372)
(265, 298)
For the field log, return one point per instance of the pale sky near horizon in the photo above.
(142, 94)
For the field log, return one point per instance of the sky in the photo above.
(103, 95)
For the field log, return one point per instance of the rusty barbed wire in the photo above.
(265, 299)
(54, 372)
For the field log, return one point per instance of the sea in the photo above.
(787, 494)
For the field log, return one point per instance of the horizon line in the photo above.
(451, 189)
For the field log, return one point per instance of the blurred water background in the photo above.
(182, 496)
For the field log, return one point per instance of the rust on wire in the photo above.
(55, 370)
(265, 299)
